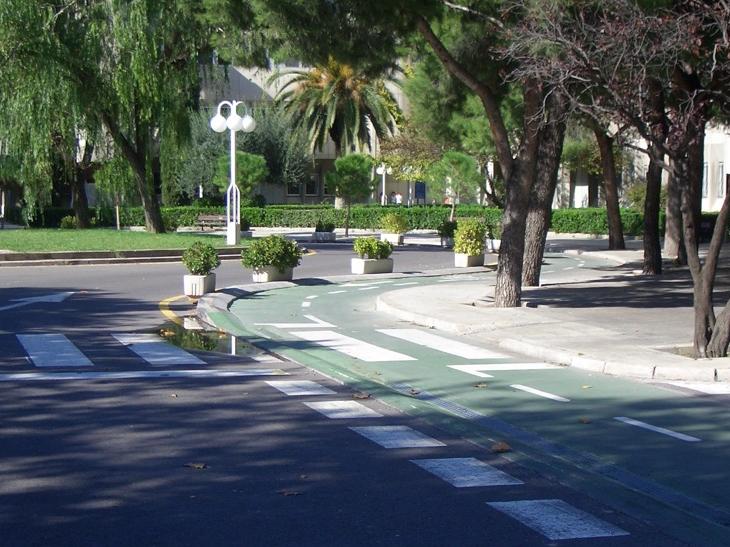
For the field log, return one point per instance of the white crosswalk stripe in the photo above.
(467, 472)
(52, 350)
(440, 343)
(155, 351)
(351, 346)
(556, 519)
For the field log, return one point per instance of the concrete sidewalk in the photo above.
(616, 322)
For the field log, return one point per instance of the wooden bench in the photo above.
(211, 221)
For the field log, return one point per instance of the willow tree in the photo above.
(127, 67)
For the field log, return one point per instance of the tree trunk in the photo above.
(610, 188)
(137, 158)
(652, 246)
(508, 288)
(79, 200)
(695, 158)
(718, 344)
(543, 192)
(673, 224)
(347, 218)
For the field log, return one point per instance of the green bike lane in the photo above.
(574, 437)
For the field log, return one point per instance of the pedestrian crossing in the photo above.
(554, 518)
(57, 352)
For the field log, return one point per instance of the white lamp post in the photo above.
(234, 123)
(383, 170)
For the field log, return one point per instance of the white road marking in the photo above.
(312, 297)
(316, 322)
(306, 304)
(336, 292)
(340, 410)
(155, 351)
(52, 350)
(396, 436)
(352, 346)
(505, 367)
(53, 298)
(300, 387)
(711, 388)
(656, 429)
(139, 374)
(474, 370)
(540, 393)
(568, 269)
(368, 288)
(265, 358)
(556, 519)
(366, 283)
(404, 284)
(467, 472)
(439, 343)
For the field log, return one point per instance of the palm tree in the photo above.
(336, 101)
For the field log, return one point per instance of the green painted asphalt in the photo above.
(586, 425)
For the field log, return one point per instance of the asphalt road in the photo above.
(218, 456)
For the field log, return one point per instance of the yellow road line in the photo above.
(165, 310)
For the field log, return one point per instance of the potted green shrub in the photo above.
(200, 259)
(272, 258)
(469, 243)
(324, 231)
(394, 225)
(373, 256)
(446, 232)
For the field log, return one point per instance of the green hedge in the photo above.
(594, 221)
(585, 220)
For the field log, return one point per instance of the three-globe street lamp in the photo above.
(234, 123)
(383, 170)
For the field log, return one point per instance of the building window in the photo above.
(293, 188)
(720, 179)
(311, 187)
(704, 180)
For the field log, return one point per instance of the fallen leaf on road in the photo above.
(360, 395)
(586, 387)
(414, 391)
(584, 420)
(173, 395)
(481, 385)
(196, 465)
(288, 492)
(500, 447)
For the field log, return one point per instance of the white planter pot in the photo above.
(198, 285)
(394, 239)
(325, 236)
(371, 265)
(270, 273)
(462, 260)
(493, 245)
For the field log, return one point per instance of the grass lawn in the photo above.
(99, 239)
